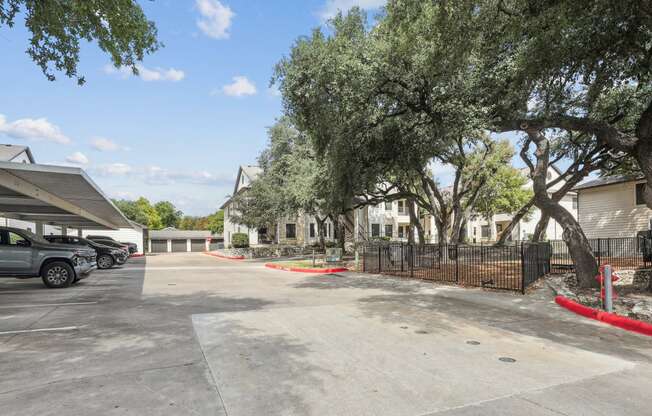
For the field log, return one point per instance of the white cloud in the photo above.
(103, 144)
(32, 129)
(331, 7)
(77, 158)
(113, 169)
(156, 175)
(215, 18)
(240, 87)
(146, 74)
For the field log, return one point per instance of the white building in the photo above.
(480, 229)
(613, 207)
(297, 230)
(171, 240)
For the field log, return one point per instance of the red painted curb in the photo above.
(623, 322)
(224, 257)
(137, 255)
(302, 270)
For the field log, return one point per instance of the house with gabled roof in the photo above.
(298, 230)
(613, 206)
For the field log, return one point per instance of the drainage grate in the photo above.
(420, 331)
(473, 342)
(507, 359)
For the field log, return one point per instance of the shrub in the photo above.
(240, 240)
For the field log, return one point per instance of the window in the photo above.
(328, 230)
(290, 231)
(375, 230)
(12, 239)
(242, 179)
(640, 189)
(575, 205)
(389, 230)
(486, 230)
(312, 230)
(499, 228)
(388, 206)
(401, 207)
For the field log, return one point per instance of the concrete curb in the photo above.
(208, 253)
(302, 270)
(623, 322)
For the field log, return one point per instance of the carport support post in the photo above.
(38, 228)
(169, 242)
(79, 232)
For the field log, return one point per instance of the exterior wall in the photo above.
(611, 211)
(125, 235)
(383, 215)
(231, 228)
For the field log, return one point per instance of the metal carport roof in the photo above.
(56, 195)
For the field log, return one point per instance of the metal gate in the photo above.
(159, 246)
(198, 245)
(179, 246)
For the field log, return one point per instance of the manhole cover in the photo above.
(507, 359)
(420, 332)
(473, 342)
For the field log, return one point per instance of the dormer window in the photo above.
(242, 179)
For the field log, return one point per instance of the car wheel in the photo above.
(105, 261)
(57, 275)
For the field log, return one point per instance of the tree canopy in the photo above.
(58, 29)
(164, 214)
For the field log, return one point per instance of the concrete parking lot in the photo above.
(191, 334)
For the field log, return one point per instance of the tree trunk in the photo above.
(540, 230)
(320, 232)
(644, 158)
(515, 220)
(579, 248)
(414, 222)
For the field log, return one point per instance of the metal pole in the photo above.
(608, 289)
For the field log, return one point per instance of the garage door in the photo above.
(198, 245)
(179, 246)
(159, 246)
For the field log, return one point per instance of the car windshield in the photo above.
(34, 237)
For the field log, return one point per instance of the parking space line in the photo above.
(46, 305)
(27, 331)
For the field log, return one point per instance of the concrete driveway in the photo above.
(189, 334)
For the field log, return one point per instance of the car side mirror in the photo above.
(22, 243)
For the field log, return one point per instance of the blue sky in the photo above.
(179, 131)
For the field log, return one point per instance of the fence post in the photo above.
(411, 260)
(379, 258)
(402, 256)
(457, 262)
(364, 259)
(599, 251)
(523, 269)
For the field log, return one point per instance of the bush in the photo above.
(240, 240)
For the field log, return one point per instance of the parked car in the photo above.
(131, 247)
(24, 254)
(107, 257)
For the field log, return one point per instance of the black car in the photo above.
(131, 247)
(107, 256)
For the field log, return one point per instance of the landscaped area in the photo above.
(332, 207)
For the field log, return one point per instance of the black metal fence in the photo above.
(622, 253)
(510, 267)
